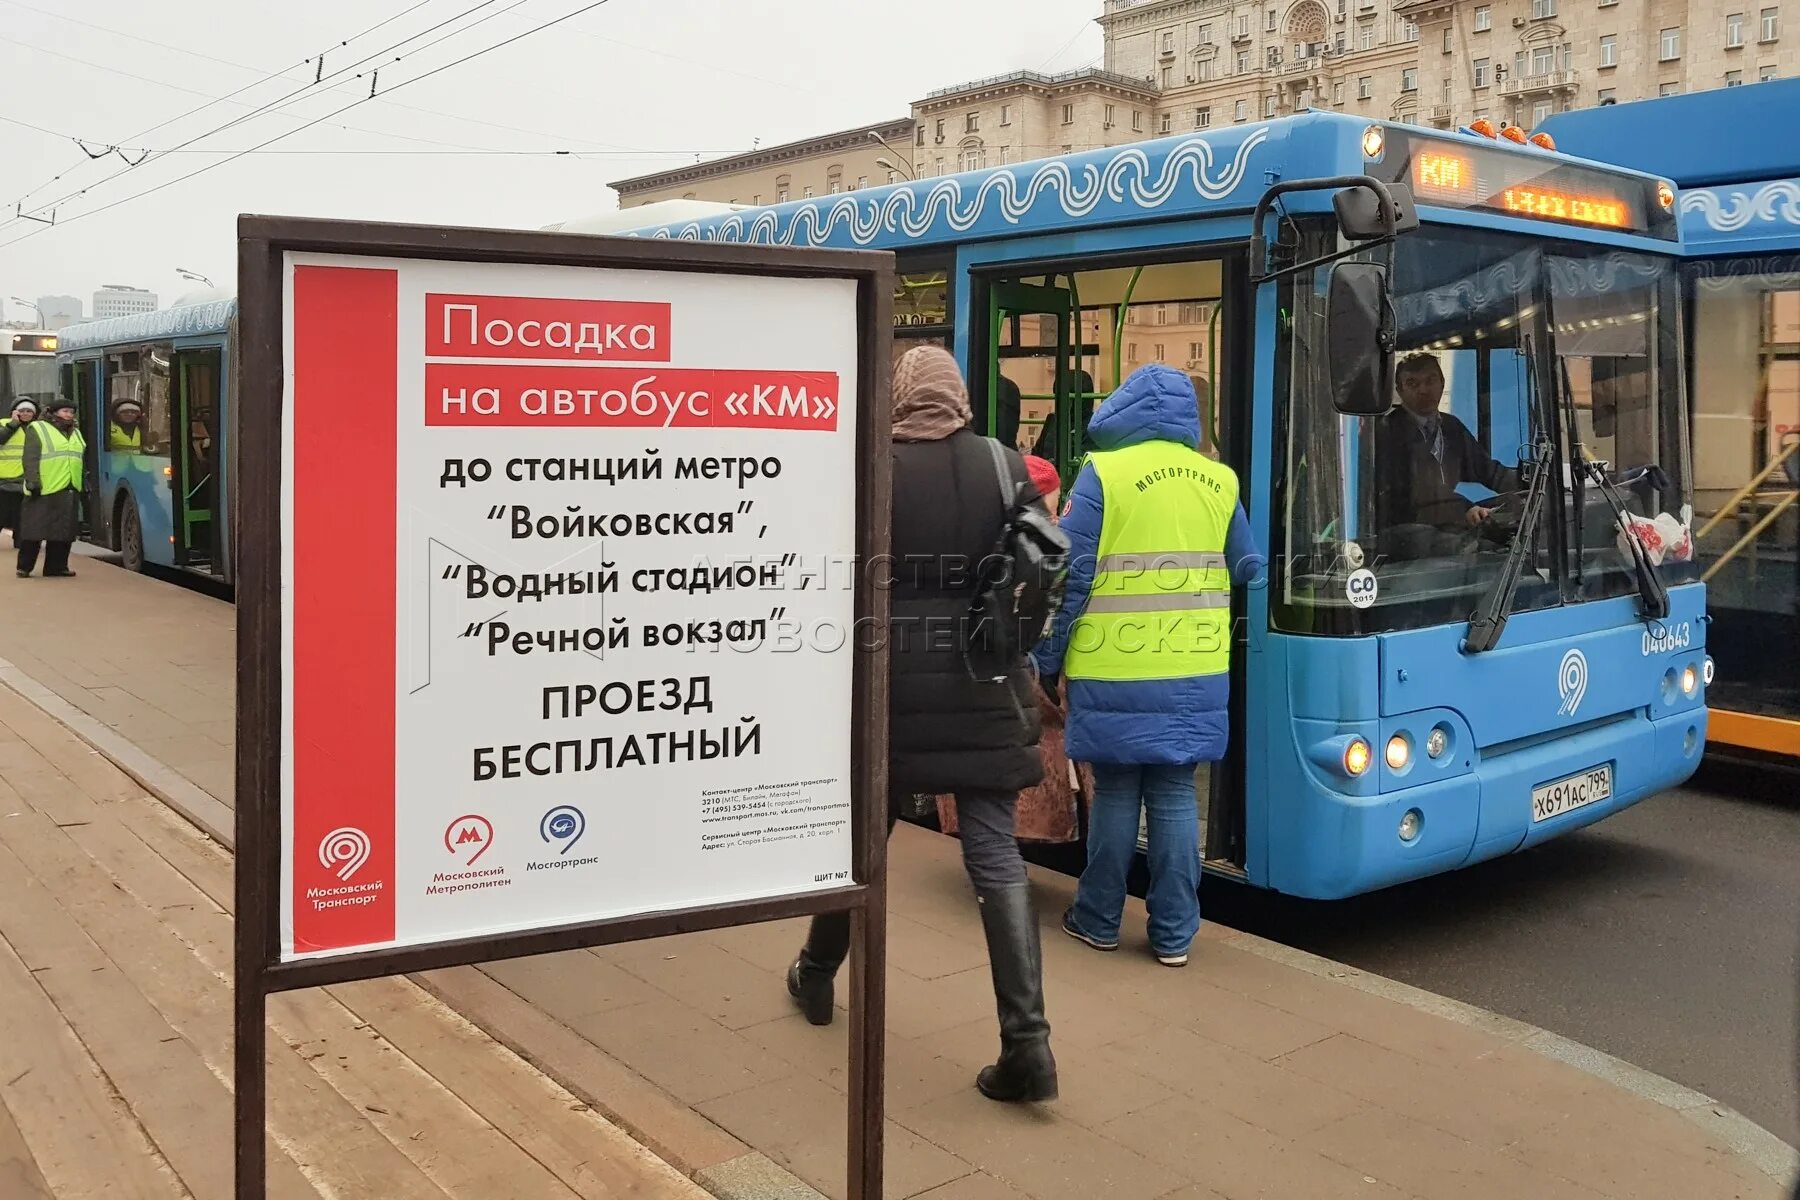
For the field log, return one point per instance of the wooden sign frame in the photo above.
(257, 476)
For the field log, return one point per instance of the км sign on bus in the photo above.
(550, 654)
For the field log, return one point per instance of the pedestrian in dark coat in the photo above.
(949, 731)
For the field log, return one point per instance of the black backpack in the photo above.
(1019, 585)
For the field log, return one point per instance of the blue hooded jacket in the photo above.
(1155, 721)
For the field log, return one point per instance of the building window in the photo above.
(1409, 79)
(1242, 112)
(1540, 112)
(1274, 56)
(1110, 119)
(1006, 114)
(1669, 89)
(1734, 31)
(1606, 94)
(1196, 350)
(1765, 74)
(1446, 89)
(1447, 49)
(1342, 42)
(1482, 68)
(1771, 24)
(1337, 92)
(1168, 78)
(1243, 27)
(1203, 118)
(1156, 352)
(862, 181)
(1268, 106)
(972, 123)
(1670, 44)
(1204, 38)
(1269, 22)
(1137, 120)
(834, 183)
(1542, 8)
(1166, 123)
(1243, 62)
(1130, 351)
(1068, 114)
(1168, 42)
(938, 165)
(940, 130)
(1609, 50)
(920, 140)
(1368, 38)
(1005, 155)
(1362, 86)
(1204, 72)
(1484, 18)
(1734, 79)
(893, 177)
(1543, 60)
(1409, 31)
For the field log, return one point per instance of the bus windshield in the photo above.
(27, 377)
(1428, 497)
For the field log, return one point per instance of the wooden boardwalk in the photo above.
(115, 1061)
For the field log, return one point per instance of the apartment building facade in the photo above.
(1173, 66)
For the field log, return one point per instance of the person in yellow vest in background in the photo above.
(1157, 534)
(15, 431)
(125, 432)
(51, 518)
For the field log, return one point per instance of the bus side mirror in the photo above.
(1359, 214)
(1359, 339)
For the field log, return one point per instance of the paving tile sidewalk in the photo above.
(115, 955)
(1240, 1077)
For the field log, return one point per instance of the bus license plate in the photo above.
(1570, 793)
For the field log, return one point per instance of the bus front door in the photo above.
(1030, 352)
(193, 457)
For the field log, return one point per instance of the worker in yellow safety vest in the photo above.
(51, 518)
(125, 432)
(1157, 535)
(15, 431)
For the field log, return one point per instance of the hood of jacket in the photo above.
(1155, 403)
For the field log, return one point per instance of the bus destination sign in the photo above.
(1453, 175)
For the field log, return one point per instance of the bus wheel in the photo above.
(131, 537)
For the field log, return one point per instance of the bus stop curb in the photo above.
(1762, 1149)
(1757, 1146)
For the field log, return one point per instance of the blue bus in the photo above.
(1740, 218)
(153, 392)
(1409, 696)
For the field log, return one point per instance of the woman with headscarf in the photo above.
(948, 731)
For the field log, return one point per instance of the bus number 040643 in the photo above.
(1575, 791)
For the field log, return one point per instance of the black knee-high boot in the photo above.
(1026, 1070)
(809, 979)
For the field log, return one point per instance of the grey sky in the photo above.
(632, 86)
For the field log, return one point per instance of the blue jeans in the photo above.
(1167, 795)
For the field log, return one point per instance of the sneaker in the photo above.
(1173, 960)
(1068, 926)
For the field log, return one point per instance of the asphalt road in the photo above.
(1667, 935)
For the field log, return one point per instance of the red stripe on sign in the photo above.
(341, 595)
(628, 397)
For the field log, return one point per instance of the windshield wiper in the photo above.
(1488, 622)
(1653, 594)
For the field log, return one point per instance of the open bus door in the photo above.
(1028, 369)
(193, 443)
(80, 382)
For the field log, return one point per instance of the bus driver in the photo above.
(1424, 452)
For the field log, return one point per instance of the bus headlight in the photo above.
(1410, 824)
(1690, 679)
(1437, 741)
(1399, 752)
(1706, 675)
(1356, 757)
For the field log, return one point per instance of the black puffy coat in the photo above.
(948, 731)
